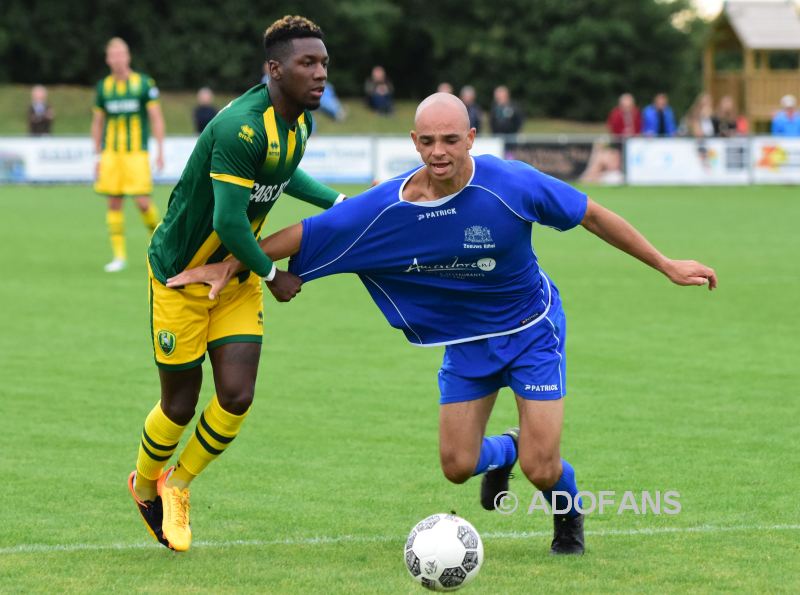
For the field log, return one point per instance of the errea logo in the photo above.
(274, 149)
(246, 133)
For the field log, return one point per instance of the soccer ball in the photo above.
(443, 552)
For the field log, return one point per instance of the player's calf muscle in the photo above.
(541, 469)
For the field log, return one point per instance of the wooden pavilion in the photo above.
(743, 37)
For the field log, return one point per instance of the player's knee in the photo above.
(178, 411)
(236, 401)
(541, 471)
(457, 466)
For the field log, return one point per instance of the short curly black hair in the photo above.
(281, 32)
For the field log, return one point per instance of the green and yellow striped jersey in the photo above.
(247, 146)
(124, 103)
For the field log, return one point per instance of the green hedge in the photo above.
(560, 59)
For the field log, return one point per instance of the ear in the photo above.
(274, 69)
(470, 138)
(414, 139)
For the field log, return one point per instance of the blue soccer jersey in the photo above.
(460, 268)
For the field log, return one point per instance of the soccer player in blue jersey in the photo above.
(445, 252)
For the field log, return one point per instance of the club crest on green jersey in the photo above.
(166, 341)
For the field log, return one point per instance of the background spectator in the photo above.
(379, 91)
(505, 117)
(445, 87)
(726, 121)
(40, 114)
(787, 121)
(605, 165)
(205, 110)
(473, 109)
(330, 105)
(657, 118)
(700, 118)
(625, 119)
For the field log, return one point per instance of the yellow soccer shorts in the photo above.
(184, 323)
(124, 174)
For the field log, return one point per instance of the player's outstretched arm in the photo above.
(307, 189)
(277, 246)
(284, 243)
(615, 230)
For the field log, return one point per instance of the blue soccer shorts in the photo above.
(531, 362)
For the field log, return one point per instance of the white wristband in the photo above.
(271, 275)
(339, 199)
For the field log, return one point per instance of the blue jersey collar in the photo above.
(439, 201)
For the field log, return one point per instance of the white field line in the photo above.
(37, 548)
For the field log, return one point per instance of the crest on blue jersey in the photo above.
(477, 234)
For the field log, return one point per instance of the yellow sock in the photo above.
(214, 432)
(150, 217)
(160, 438)
(116, 230)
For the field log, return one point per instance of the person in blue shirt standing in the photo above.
(786, 122)
(657, 118)
(445, 252)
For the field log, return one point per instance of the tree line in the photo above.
(559, 59)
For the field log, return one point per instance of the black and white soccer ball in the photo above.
(443, 552)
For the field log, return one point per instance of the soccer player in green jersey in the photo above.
(244, 159)
(126, 109)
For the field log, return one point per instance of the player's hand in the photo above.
(284, 286)
(690, 272)
(216, 275)
(159, 162)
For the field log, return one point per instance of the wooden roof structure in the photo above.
(753, 30)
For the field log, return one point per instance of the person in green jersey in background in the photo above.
(126, 108)
(244, 159)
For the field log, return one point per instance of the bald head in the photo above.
(442, 109)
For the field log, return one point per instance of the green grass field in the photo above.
(670, 389)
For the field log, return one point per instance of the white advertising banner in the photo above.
(72, 159)
(65, 159)
(680, 161)
(46, 159)
(395, 155)
(359, 160)
(177, 150)
(343, 159)
(776, 160)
